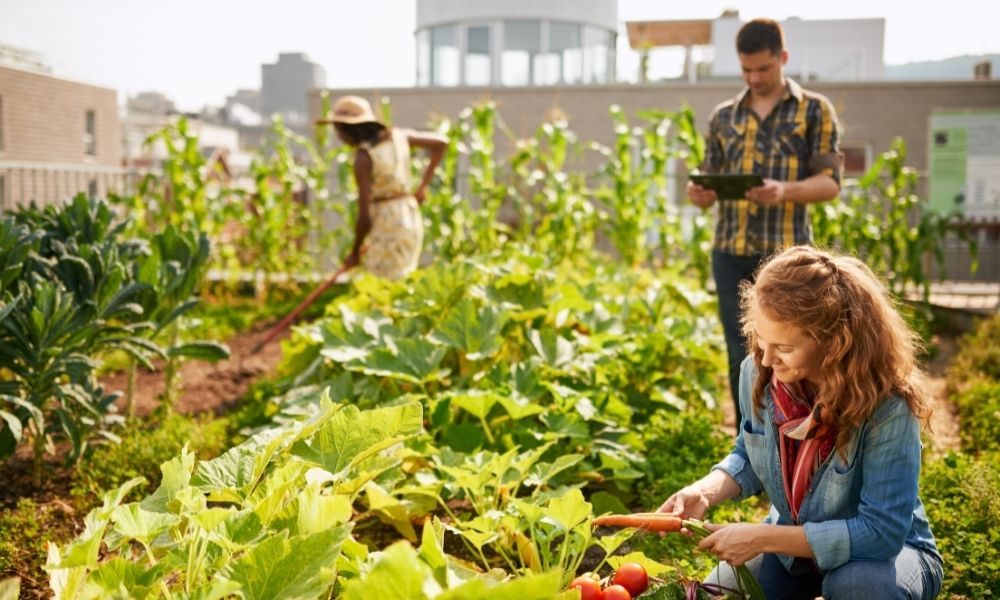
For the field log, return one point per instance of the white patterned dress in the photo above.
(392, 246)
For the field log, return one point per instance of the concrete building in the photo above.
(515, 43)
(819, 50)
(285, 86)
(147, 113)
(57, 137)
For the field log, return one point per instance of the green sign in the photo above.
(948, 168)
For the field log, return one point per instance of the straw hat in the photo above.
(351, 110)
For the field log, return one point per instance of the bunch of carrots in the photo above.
(662, 522)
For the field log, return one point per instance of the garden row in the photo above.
(482, 412)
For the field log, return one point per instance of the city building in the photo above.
(516, 43)
(57, 136)
(285, 86)
(820, 50)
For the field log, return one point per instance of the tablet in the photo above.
(728, 186)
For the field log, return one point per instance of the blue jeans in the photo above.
(912, 575)
(729, 270)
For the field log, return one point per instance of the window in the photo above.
(477, 55)
(564, 42)
(423, 57)
(92, 188)
(857, 159)
(597, 55)
(90, 134)
(445, 68)
(521, 44)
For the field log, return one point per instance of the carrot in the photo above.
(647, 521)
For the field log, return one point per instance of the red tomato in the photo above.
(631, 576)
(616, 592)
(590, 588)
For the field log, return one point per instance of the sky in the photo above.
(198, 52)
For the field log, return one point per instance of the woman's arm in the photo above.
(693, 500)
(363, 224)
(437, 144)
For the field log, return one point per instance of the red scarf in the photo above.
(804, 443)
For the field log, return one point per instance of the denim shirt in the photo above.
(862, 507)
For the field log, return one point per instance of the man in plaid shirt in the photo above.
(790, 137)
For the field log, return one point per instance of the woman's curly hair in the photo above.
(868, 352)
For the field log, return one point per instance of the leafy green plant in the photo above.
(978, 356)
(979, 416)
(183, 193)
(172, 273)
(962, 497)
(278, 517)
(885, 223)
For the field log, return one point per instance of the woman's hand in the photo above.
(420, 194)
(735, 543)
(688, 502)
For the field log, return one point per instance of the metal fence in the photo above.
(22, 182)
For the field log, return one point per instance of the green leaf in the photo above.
(569, 510)
(207, 351)
(289, 568)
(13, 423)
(351, 435)
(611, 543)
(412, 360)
(399, 574)
(176, 476)
(605, 503)
(132, 522)
(476, 332)
(318, 511)
(233, 475)
(10, 588)
(476, 402)
(120, 578)
(216, 589)
(432, 550)
(519, 408)
(390, 510)
(652, 567)
(543, 472)
(544, 586)
(555, 350)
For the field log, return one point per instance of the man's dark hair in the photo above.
(760, 34)
(356, 134)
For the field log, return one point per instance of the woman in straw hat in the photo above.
(389, 230)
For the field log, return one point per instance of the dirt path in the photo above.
(944, 421)
(206, 387)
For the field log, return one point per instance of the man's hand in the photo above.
(772, 193)
(420, 194)
(735, 543)
(699, 196)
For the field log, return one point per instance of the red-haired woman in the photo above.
(389, 230)
(832, 401)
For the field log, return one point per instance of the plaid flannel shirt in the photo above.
(799, 138)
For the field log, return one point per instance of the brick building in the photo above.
(57, 137)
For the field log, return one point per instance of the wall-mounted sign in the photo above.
(965, 162)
